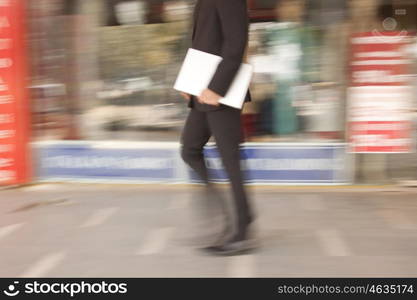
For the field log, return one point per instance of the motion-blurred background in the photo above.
(104, 70)
(334, 103)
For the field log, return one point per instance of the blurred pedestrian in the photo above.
(220, 28)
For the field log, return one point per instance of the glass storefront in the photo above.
(104, 69)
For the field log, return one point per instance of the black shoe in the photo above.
(232, 247)
(219, 240)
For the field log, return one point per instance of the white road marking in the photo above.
(332, 242)
(42, 267)
(42, 187)
(156, 241)
(180, 203)
(99, 217)
(5, 231)
(311, 203)
(241, 266)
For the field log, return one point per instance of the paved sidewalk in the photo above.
(69, 230)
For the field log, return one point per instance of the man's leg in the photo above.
(225, 125)
(195, 135)
(211, 211)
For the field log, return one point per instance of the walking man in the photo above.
(220, 28)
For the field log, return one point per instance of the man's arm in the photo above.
(233, 16)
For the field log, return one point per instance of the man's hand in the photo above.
(209, 97)
(186, 96)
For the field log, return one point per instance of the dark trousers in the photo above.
(224, 123)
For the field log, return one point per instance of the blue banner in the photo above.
(286, 164)
(99, 162)
(272, 163)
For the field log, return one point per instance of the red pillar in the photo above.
(14, 105)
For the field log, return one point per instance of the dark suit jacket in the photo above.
(221, 28)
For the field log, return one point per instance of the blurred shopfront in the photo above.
(103, 70)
